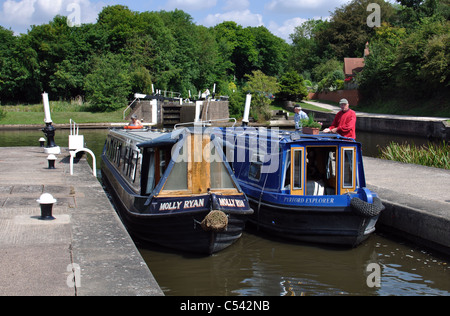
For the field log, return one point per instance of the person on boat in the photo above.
(344, 123)
(135, 122)
(299, 116)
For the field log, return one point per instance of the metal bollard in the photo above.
(42, 142)
(46, 201)
(51, 161)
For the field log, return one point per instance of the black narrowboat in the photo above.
(174, 189)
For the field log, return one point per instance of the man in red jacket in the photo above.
(344, 123)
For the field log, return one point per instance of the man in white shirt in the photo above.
(299, 115)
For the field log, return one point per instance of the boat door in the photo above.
(297, 169)
(311, 170)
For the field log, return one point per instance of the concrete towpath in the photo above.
(86, 240)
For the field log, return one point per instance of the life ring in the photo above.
(366, 209)
(133, 127)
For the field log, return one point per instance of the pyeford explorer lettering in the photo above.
(310, 200)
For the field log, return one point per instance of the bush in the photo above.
(109, 84)
(292, 87)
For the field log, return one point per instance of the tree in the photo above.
(378, 77)
(423, 59)
(262, 88)
(305, 52)
(348, 31)
(292, 87)
(19, 69)
(272, 51)
(108, 85)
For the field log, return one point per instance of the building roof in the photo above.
(353, 65)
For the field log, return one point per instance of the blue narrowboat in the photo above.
(308, 188)
(174, 189)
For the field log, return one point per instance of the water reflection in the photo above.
(261, 266)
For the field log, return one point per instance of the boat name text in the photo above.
(231, 203)
(310, 200)
(189, 204)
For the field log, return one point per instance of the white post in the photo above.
(154, 104)
(198, 105)
(48, 117)
(248, 102)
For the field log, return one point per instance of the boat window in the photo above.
(220, 177)
(287, 172)
(255, 167)
(297, 169)
(177, 180)
(348, 168)
(151, 173)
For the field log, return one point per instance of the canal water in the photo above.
(259, 265)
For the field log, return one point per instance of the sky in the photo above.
(279, 16)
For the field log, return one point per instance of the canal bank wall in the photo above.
(84, 251)
(417, 201)
(428, 127)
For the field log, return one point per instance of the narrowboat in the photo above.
(174, 189)
(308, 188)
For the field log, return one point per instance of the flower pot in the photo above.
(311, 131)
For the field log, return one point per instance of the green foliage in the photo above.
(237, 103)
(416, 65)
(292, 87)
(124, 52)
(310, 122)
(108, 86)
(3, 113)
(348, 32)
(262, 88)
(432, 155)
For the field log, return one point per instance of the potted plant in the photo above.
(310, 126)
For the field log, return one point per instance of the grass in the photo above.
(279, 107)
(437, 107)
(431, 155)
(61, 113)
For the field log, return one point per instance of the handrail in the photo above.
(94, 162)
(124, 112)
(74, 128)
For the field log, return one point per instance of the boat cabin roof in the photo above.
(287, 138)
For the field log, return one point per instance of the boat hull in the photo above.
(178, 231)
(331, 226)
(183, 232)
